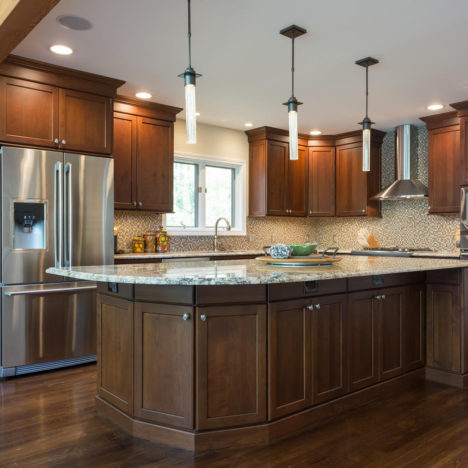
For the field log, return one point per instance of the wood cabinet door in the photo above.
(28, 113)
(414, 327)
(85, 122)
(125, 134)
(277, 176)
(231, 366)
(257, 178)
(362, 339)
(445, 170)
(321, 186)
(329, 366)
(164, 343)
(351, 181)
(297, 184)
(289, 354)
(443, 327)
(155, 165)
(390, 334)
(115, 352)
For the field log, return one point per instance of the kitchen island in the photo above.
(202, 355)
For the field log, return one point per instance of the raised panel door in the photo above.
(445, 169)
(85, 122)
(230, 366)
(124, 161)
(28, 113)
(297, 184)
(351, 182)
(321, 186)
(164, 346)
(329, 365)
(443, 327)
(362, 339)
(155, 165)
(289, 354)
(277, 174)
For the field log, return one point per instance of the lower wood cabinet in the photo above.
(115, 351)
(164, 353)
(289, 357)
(230, 365)
(414, 328)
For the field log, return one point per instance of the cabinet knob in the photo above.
(140, 203)
(203, 317)
(186, 316)
(383, 297)
(56, 141)
(378, 298)
(310, 307)
(134, 203)
(317, 306)
(310, 212)
(64, 142)
(363, 211)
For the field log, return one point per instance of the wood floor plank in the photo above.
(50, 420)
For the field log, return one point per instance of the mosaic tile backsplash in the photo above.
(404, 223)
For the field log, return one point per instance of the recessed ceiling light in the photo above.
(249, 124)
(315, 132)
(61, 49)
(74, 22)
(434, 107)
(197, 114)
(143, 95)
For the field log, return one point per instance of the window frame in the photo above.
(239, 197)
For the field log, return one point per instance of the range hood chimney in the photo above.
(404, 187)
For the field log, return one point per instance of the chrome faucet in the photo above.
(228, 228)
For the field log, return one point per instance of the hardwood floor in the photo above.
(49, 420)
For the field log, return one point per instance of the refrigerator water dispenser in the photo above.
(29, 232)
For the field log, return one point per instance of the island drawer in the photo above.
(364, 283)
(122, 290)
(168, 294)
(231, 294)
(279, 292)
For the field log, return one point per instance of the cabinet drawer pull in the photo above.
(383, 297)
(186, 316)
(56, 141)
(140, 203)
(378, 298)
(317, 306)
(134, 203)
(203, 317)
(64, 142)
(310, 307)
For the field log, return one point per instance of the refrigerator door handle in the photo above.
(49, 291)
(68, 231)
(58, 215)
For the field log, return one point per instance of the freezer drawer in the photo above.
(47, 322)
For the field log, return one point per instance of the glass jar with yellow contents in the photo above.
(138, 244)
(150, 241)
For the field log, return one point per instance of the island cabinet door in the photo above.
(362, 339)
(230, 366)
(329, 364)
(414, 327)
(390, 337)
(115, 351)
(289, 355)
(164, 344)
(443, 327)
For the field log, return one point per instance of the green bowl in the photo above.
(302, 250)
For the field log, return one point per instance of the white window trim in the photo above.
(240, 194)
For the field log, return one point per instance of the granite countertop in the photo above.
(251, 271)
(186, 254)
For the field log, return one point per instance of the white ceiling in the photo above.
(246, 64)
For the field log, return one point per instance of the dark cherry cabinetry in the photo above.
(230, 365)
(326, 180)
(143, 155)
(42, 105)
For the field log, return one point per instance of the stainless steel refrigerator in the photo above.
(57, 209)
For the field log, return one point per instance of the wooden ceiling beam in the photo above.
(17, 19)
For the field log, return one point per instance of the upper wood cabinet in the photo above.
(326, 180)
(42, 105)
(143, 155)
(321, 174)
(354, 188)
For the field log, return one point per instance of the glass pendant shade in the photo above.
(366, 149)
(293, 143)
(190, 114)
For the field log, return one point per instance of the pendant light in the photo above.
(366, 122)
(190, 77)
(292, 32)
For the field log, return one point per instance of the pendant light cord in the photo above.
(189, 36)
(292, 64)
(367, 87)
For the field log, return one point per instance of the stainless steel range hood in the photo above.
(404, 187)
